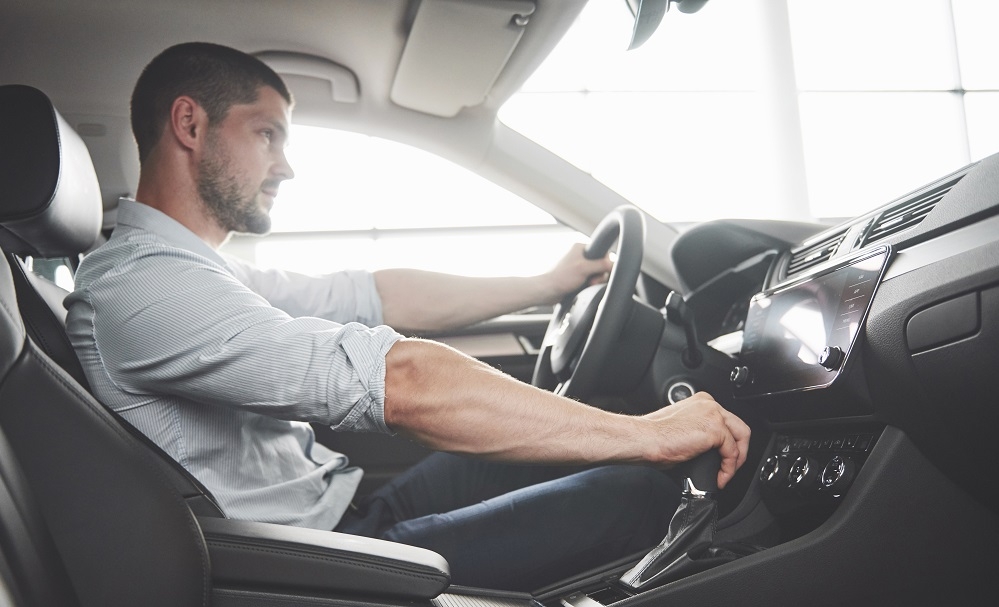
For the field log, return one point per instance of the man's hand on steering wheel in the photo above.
(585, 326)
(575, 271)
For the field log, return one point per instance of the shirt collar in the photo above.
(135, 214)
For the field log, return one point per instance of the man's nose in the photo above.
(283, 167)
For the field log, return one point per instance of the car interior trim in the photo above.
(942, 247)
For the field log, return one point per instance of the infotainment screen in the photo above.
(799, 336)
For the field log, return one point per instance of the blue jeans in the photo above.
(518, 527)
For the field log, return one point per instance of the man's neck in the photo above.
(182, 203)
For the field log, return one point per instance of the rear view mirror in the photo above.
(648, 15)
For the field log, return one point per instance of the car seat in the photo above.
(91, 511)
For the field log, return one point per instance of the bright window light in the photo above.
(663, 151)
(364, 202)
(866, 149)
(477, 253)
(347, 181)
(660, 124)
(882, 45)
(977, 43)
(872, 103)
(983, 123)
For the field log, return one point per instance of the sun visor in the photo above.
(455, 52)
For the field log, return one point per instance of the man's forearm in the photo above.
(451, 402)
(430, 301)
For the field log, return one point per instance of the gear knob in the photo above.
(701, 473)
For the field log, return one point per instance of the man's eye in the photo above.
(268, 135)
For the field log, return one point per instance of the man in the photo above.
(222, 364)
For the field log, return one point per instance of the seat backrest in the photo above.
(40, 303)
(123, 531)
(30, 566)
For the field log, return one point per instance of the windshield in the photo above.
(800, 110)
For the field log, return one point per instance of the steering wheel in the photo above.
(584, 326)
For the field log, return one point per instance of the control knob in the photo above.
(802, 473)
(739, 376)
(838, 473)
(774, 471)
(831, 357)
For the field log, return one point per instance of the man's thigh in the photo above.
(440, 483)
(538, 534)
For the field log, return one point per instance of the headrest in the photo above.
(50, 201)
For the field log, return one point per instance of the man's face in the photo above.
(244, 163)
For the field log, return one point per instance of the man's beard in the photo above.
(228, 205)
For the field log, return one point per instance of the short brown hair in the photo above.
(215, 76)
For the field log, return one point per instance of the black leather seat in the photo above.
(93, 513)
(31, 571)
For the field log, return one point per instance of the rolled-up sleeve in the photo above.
(366, 388)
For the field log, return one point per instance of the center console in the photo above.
(798, 360)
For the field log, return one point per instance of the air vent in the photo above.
(813, 255)
(908, 213)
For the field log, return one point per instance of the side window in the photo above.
(362, 202)
(57, 270)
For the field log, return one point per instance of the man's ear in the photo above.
(188, 122)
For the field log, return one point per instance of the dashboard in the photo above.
(888, 319)
(863, 356)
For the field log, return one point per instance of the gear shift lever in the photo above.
(679, 313)
(691, 530)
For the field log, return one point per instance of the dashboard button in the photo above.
(864, 442)
(781, 443)
(679, 391)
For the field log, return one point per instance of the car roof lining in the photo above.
(80, 84)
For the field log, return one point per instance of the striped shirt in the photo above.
(223, 364)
